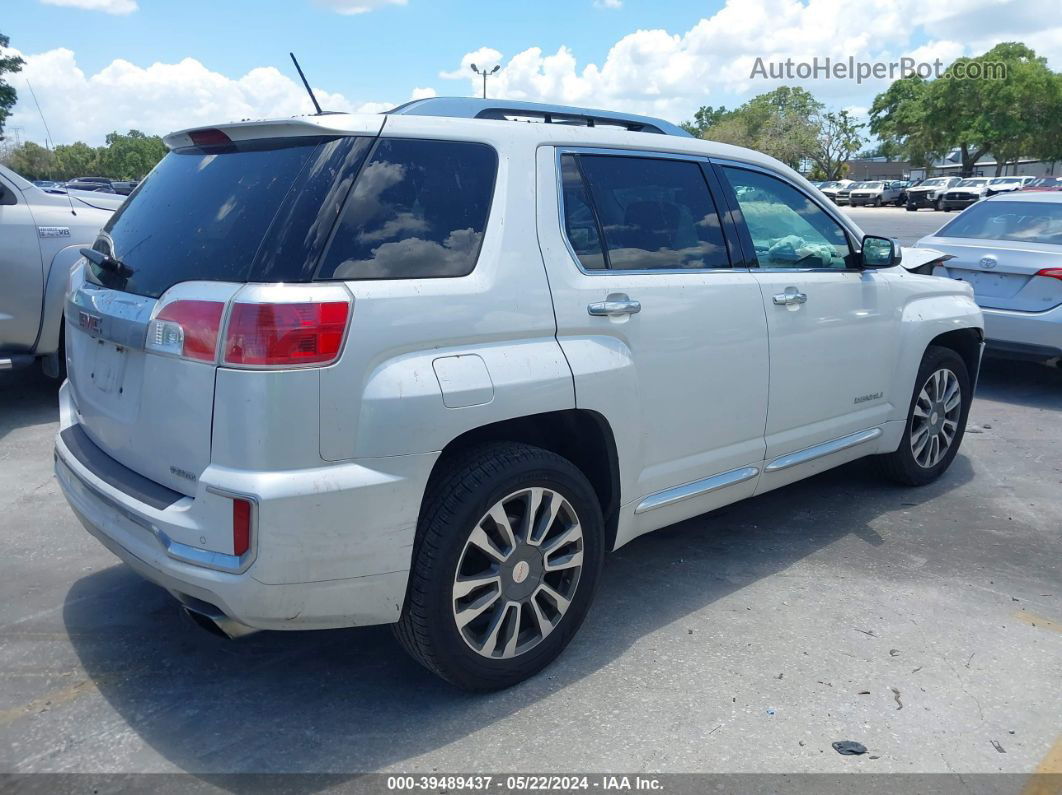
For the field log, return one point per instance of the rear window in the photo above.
(252, 211)
(1023, 222)
(418, 210)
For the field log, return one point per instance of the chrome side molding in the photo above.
(696, 488)
(820, 450)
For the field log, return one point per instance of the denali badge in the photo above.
(866, 398)
(183, 473)
(91, 323)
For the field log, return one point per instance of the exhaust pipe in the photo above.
(214, 621)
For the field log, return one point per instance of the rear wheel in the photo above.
(509, 548)
(938, 205)
(936, 420)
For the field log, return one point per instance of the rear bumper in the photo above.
(1025, 334)
(328, 551)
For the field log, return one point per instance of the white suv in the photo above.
(429, 367)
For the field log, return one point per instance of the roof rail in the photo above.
(472, 108)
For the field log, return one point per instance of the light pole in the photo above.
(485, 74)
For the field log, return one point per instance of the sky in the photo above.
(162, 65)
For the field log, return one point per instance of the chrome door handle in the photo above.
(790, 297)
(615, 307)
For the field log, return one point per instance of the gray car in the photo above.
(41, 231)
(1009, 248)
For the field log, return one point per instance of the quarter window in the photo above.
(651, 213)
(788, 229)
(418, 209)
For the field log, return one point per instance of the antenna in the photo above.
(47, 132)
(309, 90)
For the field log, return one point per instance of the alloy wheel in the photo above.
(935, 418)
(518, 573)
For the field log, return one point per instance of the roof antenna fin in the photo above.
(309, 90)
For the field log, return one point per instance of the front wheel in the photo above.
(936, 420)
(510, 545)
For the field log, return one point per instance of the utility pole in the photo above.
(485, 74)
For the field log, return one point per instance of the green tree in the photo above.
(130, 156)
(8, 64)
(780, 123)
(32, 161)
(1008, 115)
(836, 139)
(898, 119)
(705, 117)
(75, 160)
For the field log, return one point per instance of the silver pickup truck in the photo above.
(40, 234)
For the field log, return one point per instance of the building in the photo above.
(876, 168)
(951, 166)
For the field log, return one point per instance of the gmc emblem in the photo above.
(91, 323)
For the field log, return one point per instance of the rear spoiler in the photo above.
(327, 124)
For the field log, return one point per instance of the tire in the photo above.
(938, 206)
(911, 208)
(455, 529)
(911, 464)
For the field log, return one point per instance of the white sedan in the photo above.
(1009, 247)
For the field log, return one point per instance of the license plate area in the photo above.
(991, 285)
(107, 367)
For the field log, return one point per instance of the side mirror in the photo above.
(880, 252)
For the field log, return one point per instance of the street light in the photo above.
(485, 74)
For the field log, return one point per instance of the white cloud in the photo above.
(608, 3)
(671, 74)
(358, 6)
(158, 98)
(106, 6)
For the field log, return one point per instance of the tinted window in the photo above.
(211, 214)
(788, 230)
(1024, 222)
(654, 213)
(418, 209)
(580, 223)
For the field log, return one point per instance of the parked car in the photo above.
(833, 190)
(965, 193)
(1009, 247)
(426, 368)
(1004, 184)
(125, 188)
(90, 185)
(47, 183)
(40, 234)
(929, 193)
(1044, 184)
(875, 193)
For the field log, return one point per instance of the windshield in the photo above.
(936, 182)
(1045, 182)
(871, 185)
(971, 183)
(1001, 180)
(1024, 222)
(225, 213)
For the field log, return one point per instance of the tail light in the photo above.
(209, 137)
(241, 526)
(1051, 273)
(187, 328)
(285, 335)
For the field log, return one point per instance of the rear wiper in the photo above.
(107, 262)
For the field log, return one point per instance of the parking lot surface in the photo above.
(924, 623)
(897, 222)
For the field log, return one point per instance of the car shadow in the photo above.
(350, 701)
(1025, 383)
(27, 397)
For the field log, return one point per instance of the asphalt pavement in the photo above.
(924, 623)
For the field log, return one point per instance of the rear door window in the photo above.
(418, 210)
(215, 213)
(652, 213)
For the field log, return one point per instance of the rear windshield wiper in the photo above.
(107, 262)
